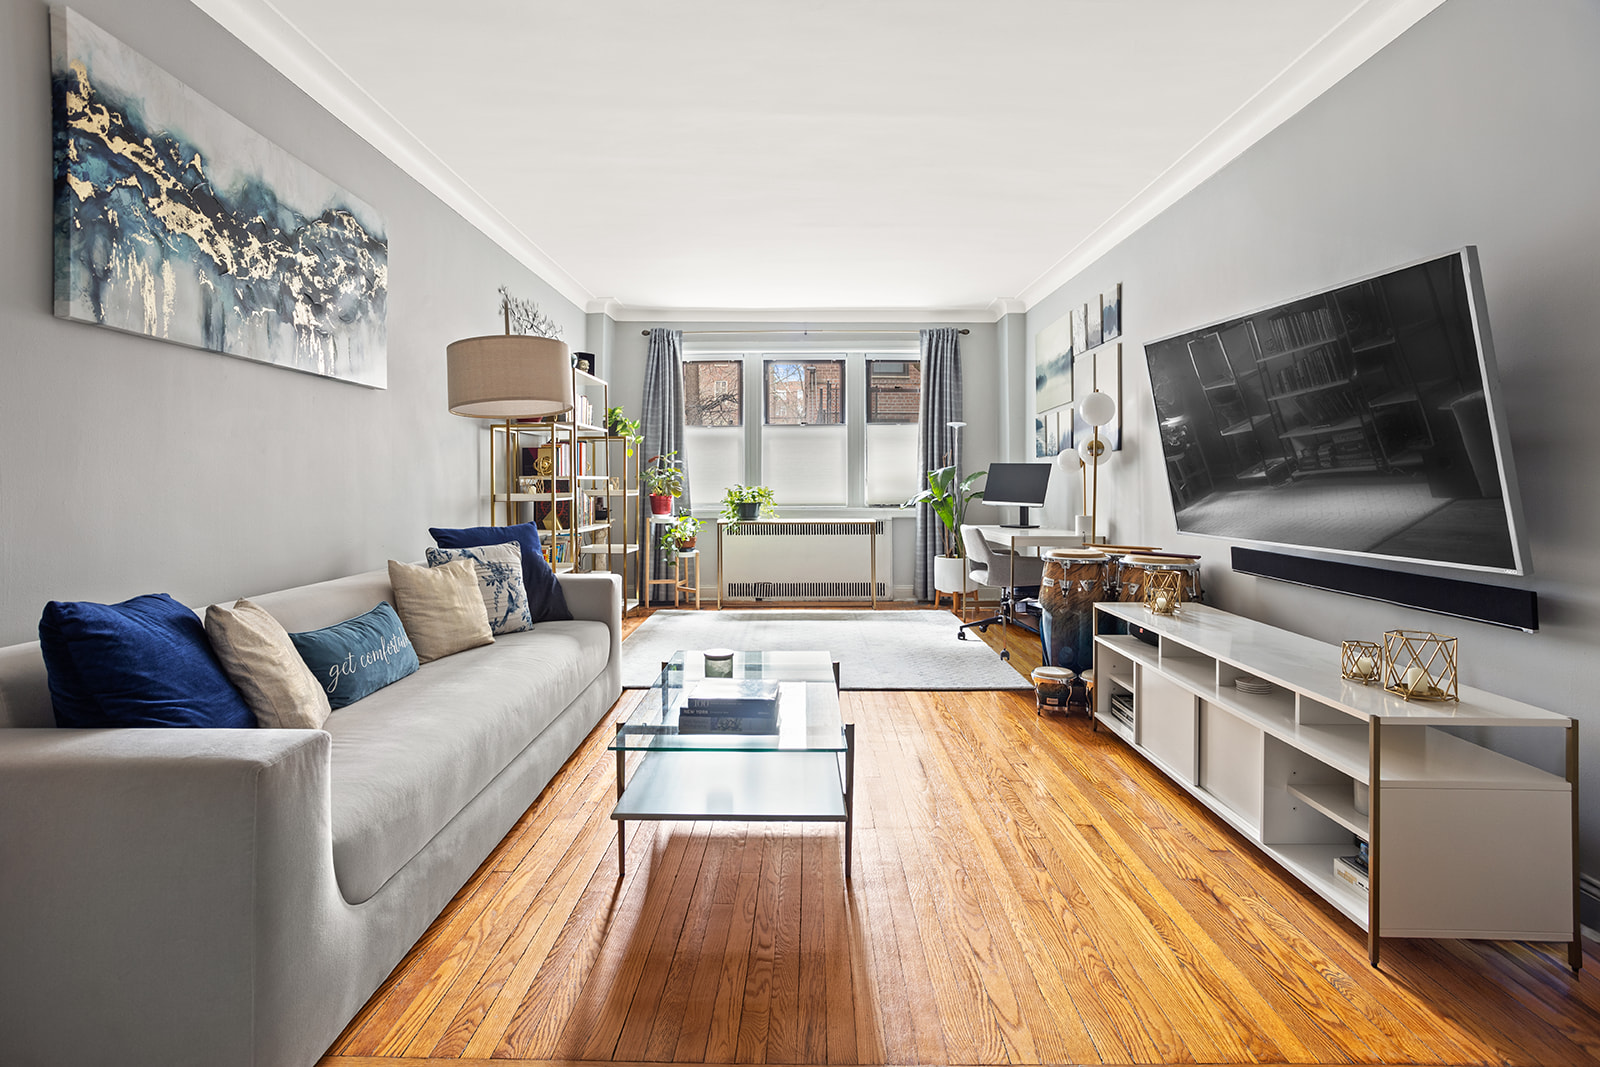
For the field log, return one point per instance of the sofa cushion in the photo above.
(356, 658)
(545, 598)
(500, 584)
(407, 759)
(264, 665)
(143, 662)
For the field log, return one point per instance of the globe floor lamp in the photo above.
(1097, 409)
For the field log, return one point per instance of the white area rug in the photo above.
(875, 649)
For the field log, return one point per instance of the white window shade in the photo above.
(805, 464)
(892, 474)
(714, 459)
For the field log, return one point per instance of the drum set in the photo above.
(1074, 579)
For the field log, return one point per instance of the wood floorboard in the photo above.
(1026, 890)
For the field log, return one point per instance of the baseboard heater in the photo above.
(805, 560)
(1513, 608)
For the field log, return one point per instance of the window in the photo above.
(805, 448)
(713, 432)
(832, 429)
(894, 396)
(804, 392)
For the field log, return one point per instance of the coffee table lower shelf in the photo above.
(738, 786)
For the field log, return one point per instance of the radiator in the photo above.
(805, 560)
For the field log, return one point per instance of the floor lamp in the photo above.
(508, 377)
(1097, 409)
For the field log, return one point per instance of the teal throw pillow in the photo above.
(359, 656)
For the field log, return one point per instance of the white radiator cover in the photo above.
(805, 561)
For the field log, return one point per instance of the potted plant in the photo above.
(742, 503)
(663, 480)
(619, 425)
(676, 536)
(949, 501)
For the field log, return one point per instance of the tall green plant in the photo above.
(949, 501)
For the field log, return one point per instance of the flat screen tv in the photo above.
(1365, 420)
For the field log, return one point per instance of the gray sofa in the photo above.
(233, 897)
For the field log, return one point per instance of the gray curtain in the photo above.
(661, 421)
(941, 405)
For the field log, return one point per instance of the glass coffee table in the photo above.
(803, 773)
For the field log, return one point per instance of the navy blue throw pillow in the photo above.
(143, 662)
(359, 656)
(545, 599)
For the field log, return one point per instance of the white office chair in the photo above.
(989, 564)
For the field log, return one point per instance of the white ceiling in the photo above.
(844, 154)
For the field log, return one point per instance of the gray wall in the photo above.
(128, 465)
(982, 371)
(1477, 126)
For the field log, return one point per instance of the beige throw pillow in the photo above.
(440, 607)
(261, 662)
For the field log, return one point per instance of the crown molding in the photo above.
(624, 313)
(263, 29)
(1358, 37)
(607, 305)
(1001, 306)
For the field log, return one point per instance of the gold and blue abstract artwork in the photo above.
(176, 221)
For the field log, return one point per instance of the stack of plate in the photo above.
(1253, 685)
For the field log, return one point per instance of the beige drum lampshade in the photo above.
(509, 377)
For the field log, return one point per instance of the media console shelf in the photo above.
(1464, 842)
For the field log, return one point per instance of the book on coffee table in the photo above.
(731, 705)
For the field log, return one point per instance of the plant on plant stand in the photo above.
(949, 501)
(742, 503)
(676, 536)
(619, 425)
(663, 480)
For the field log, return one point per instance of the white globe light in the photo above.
(1098, 408)
(1066, 459)
(1094, 451)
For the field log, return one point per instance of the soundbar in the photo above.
(1516, 609)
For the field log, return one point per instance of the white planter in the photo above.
(950, 575)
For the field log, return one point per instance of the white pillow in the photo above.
(262, 663)
(505, 598)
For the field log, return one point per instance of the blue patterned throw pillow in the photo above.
(359, 656)
(545, 599)
(499, 569)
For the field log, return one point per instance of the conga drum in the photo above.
(1132, 571)
(1074, 578)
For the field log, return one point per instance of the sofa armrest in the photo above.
(597, 596)
(142, 870)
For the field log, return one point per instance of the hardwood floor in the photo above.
(1025, 891)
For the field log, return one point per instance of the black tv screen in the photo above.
(1365, 419)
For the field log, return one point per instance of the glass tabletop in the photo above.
(808, 717)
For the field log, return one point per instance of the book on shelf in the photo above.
(1352, 871)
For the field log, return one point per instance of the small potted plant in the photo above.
(949, 501)
(663, 480)
(742, 503)
(676, 536)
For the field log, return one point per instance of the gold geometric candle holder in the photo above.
(1361, 661)
(1163, 591)
(1419, 665)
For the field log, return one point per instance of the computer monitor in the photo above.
(1017, 485)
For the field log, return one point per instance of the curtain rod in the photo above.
(690, 333)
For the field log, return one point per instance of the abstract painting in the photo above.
(1052, 366)
(176, 221)
(1094, 322)
(1111, 313)
(1099, 370)
(1080, 328)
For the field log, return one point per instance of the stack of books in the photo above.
(1352, 871)
(730, 706)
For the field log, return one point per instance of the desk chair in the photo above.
(992, 565)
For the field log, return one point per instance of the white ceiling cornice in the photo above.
(265, 31)
(623, 313)
(1360, 36)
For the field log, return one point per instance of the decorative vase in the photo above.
(660, 505)
(748, 509)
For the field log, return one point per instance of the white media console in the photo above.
(1464, 842)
